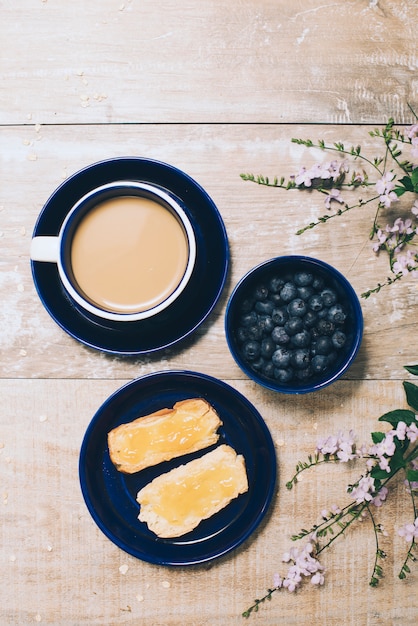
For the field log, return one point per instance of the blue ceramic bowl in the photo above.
(294, 359)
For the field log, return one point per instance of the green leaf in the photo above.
(398, 415)
(412, 369)
(400, 191)
(411, 391)
(412, 475)
(414, 178)
(378, 473)
(407, 182)
(397, 461)
(378, 437)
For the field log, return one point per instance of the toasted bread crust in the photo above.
(189, 426)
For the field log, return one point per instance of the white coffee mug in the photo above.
(125, 251)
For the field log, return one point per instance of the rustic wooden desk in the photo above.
(215, 89)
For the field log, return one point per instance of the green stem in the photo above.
(343, 151)
(306, 466)
(325, 218)
(414, 452)
(259, 601)
(377, 571)
(409, 556)
(355, 514)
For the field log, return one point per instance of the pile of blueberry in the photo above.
(291, 329)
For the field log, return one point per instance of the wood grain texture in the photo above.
(216, 89)
(208, 61)
(261, 223)
(56, 564)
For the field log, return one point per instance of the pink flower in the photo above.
(328, 446)
(380, 497)
(302, 564)
(384, 188)
(412, 432)
(364, 490)
(318, 579)
(409, 531)
(341, 445)
(277, 581)
(404, 263)
(412, 131)
(400, 431)
(345, 453)
(384, 464)
(385, 447)
(385, 184)
(334, 194)
(387, 198)
(413, 136)
(304, 177)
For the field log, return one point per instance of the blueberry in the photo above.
(337, 314)
(302, 279)
(260, 292)
(280, 316)
(293, 325)
(297, 308)
(288, 292)
(306, 292)
(248, 319)
(280, 336)
(264, 307)
(300, 358)
(302, 339)
(275, 298)
(329, 296)
(275, 284)
(319, 363)
(325, 327)
(304, 374)
(315, 302)
(318, 283)
(268, 369)
(338, 339)
(255, 332)
(315, 334)
(241, 334)
(323, 345)
(266, 324)
(323, 313)
(258, 364)
(281, 358)
(310, 319)
(283, 375)
(251, 350)
(267, 347)
(332, 357)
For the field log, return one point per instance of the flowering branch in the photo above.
(389, 453)
(331, 179)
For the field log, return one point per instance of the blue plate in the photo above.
(187, 312)
(110, 495)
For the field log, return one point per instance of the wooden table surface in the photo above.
(215, 89)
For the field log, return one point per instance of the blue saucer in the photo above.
(110, 495)
(197, 300)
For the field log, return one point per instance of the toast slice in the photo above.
(176, 502)
(189, 426)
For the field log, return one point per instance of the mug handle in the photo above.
(44, 249)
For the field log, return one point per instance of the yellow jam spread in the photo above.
(198, 494)
(190, 425)
(180, 432)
